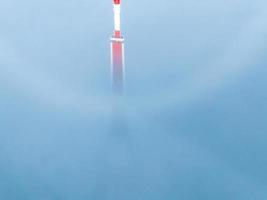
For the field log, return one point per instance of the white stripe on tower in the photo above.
(117, 17)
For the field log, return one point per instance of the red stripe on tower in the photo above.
(116, 1)
(117, 34)
(117, 67)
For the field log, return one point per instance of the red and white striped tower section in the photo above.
(117, 51)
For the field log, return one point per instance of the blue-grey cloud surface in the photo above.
(190, 126)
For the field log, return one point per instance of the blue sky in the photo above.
(191, 125)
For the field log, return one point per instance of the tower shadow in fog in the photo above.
(119, 122)
(117, 158)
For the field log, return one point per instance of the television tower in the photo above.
(117, 51)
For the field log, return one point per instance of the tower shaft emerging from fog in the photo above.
(117, 51)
